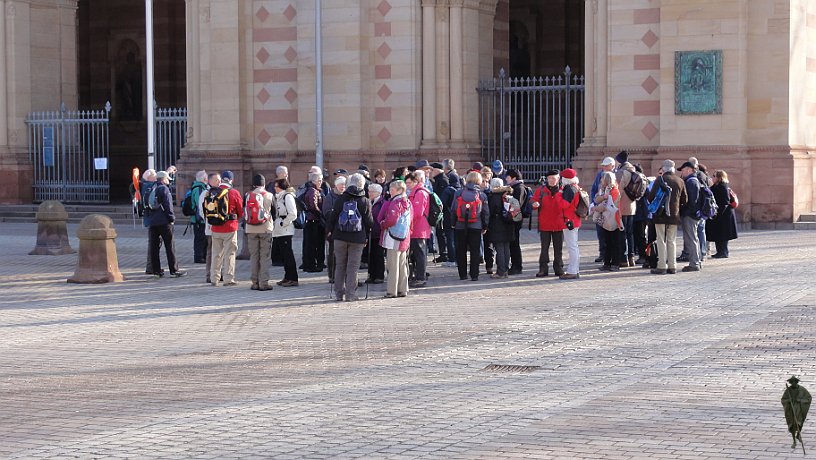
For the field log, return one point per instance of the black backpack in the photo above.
(188, 204)
(708, 205)
(636, 187)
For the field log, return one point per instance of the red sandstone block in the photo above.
(382, 29)
(276, 116)
(382, 71)
(647, 108)
(647, 62)
(382, 114)
(646, 16)
(274, 75)
(275, 34)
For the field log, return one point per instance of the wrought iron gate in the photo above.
(171, 136)
(69, 152)
(532, 123)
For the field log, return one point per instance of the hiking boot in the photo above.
(339, 297)
(463, 278)
(289, 283)
(489, 270)
(615, 268)
(264, 287)
(231, 283)
(402, 294)
(352, 298)
(658, 271)
(254, 287)
(390, 296)
(671, 271)
(632, 262)
(417, 284)
(606, 268)
(640, 261)
(440, 259)
(474, 278)
(514, 271)
(178, 274)
(691, 268)
(599, 259)
(542, 274)
(683, 259)
(569, 276)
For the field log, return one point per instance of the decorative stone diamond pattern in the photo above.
(384, 50)
(263, 96)
(262, 55)
(290, 54)
(649, 38)
(291, 136)
(291, 95)
(384, 135)
(264, 137)
(289, 13)
(262, 14)
(650, 85)
(384, 92)
(650, 130)
(384, 7)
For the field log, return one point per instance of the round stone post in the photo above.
(52, 232)
(243, 254)
(97, 262)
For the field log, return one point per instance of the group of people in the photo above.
(389, 224)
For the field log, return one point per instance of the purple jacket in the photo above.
(390, 213)
(376, 231)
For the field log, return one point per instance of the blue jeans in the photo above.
(628, 249)
(702, 237)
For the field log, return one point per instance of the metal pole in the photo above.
(318, 85)
(151, 111)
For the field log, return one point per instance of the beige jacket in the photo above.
(623, 176)
(268, 202)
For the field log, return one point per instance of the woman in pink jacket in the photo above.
(396, 222)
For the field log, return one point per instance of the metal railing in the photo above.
(171, 136)
(69, 151)
(531, 123)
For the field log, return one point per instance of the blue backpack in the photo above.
(658, 205)
(402, 228)
(350, 220)
(708, 205)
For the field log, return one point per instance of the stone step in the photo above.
(807, 217)
(804, 225)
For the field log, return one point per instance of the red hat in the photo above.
(568, 173)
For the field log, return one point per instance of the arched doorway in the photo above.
(111, 35)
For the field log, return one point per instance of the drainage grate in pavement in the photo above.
(509, 368)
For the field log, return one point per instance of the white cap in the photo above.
(608, 161)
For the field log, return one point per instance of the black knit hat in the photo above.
(258, 180)
(622, 157)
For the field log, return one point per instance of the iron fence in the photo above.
(69, 152)
(532, 123)
(171, 136)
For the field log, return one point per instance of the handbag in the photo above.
(610, 221)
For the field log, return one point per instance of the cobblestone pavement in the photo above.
(631, 365)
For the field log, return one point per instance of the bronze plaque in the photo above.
(697, 82)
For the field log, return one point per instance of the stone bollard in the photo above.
(97, 262)
(243, 254)
(52, 233)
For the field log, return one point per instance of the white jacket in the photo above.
(286, 214)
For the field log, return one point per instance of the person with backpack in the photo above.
(190, 207)
(504, 209)
(607, 165)
(722, 228)
(667, 217)
(395, 220)
(570, 200)
(146, 186)
(523, 194)
(546, 200)
(259, 217)
(632, 186)
(444, 231)
(314, 232)
(471, 214)
(420, 229)
(284, 230)
(690, 219)
(348, 225)
(160, 218)
(222, 208)
(213, 181)
(376, 259)
(326, 210)
(449, 169)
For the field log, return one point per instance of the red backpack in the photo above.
(468, 211)
(254, 211)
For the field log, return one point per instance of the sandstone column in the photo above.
(193, 67)
(443, 106)
(428, 73)
(3, 79)
(596, 27)
(456, 76)
(590, 115)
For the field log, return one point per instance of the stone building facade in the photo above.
(400, 79)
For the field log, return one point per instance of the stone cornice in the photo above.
(69, 4)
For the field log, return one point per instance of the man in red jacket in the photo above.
(547, 199)
(225, 236)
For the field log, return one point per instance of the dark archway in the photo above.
(112, 68)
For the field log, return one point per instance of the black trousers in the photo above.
(614, 239)
(289, 265)
(442, 240)
(722, 247)
(557, 240)
(276, 253)
(640, 237)
(165, 233)
(489, 254)
(376, 261)
(515, 250)
(468, 241)
(314, 245)
(419, 257)
(199, 243)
